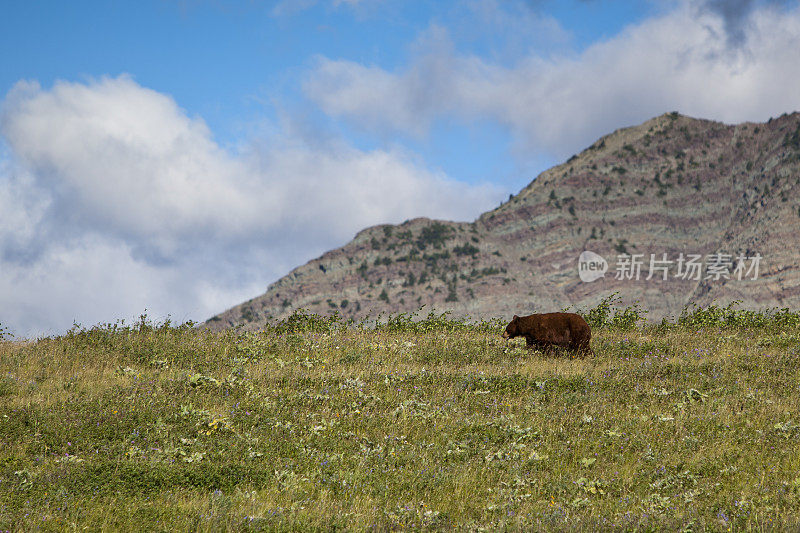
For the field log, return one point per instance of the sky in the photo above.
(175, 157)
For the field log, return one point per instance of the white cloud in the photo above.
(129, 160)
(681, 60)
(113, 200)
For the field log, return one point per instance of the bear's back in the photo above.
(554, 327)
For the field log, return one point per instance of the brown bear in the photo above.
(542, 331)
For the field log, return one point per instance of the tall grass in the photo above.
(405, 422)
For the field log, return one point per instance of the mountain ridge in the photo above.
(673, 184)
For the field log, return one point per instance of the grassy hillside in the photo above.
(435, 424)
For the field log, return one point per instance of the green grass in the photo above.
(316, 424)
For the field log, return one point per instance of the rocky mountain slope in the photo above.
(673, 185)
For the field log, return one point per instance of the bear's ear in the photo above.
(515, 317)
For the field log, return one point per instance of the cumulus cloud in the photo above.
(113, 200)
(735, 16)
(681, 60)
(127, 159)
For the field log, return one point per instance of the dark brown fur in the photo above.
(542, 331)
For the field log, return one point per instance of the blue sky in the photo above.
(237, 63)
(179, 156)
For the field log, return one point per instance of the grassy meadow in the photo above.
(431, 424)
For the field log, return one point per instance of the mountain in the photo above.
(674, 185)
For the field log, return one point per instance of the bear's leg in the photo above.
(535, 344)
(544, 347)
(582, 349)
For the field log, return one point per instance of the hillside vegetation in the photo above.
(316, 423)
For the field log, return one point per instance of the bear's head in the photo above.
(512, 330)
